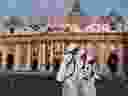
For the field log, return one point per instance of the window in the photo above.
(10, 61)
(35, 62)
(34, 65)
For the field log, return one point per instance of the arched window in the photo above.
(35, 61)
(10, 61)
(34, 64)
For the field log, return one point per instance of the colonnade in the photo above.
(53, 49)
(50, 51)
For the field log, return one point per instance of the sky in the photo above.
(57, 7)
(98, 7)
(15, 7)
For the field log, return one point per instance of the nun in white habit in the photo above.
(70, 73)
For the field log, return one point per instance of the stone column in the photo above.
(40, 53)
(29, 52)
(4, 58)
(18, 53)
(42, 56)
(43, 53)
(108, 50)
(51, 51)
(17, 56)
(51, 55)
(101, 54)
(63, 45)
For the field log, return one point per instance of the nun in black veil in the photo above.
(112, 61)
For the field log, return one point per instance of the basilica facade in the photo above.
(41, 48)
(48, 48)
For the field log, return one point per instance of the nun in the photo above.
(70, 76)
